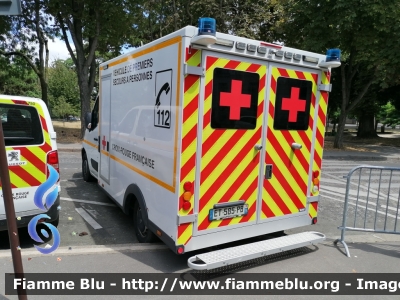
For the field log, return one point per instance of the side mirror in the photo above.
(88, 119)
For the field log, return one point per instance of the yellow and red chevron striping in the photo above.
(33, 173)
(189, 141)
(229, 164)
(286, 192)
(319, 140)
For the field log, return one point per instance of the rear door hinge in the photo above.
(191, 70)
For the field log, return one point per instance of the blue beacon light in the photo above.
(333, 55)
(207, 26)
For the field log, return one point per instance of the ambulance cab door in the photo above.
(292, 97)
(105, 127)
(229, 158)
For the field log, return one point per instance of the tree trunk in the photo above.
(338, 143)
(43, 86)
(84, 93)
(366, 129)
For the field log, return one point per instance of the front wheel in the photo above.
(143, 234)
(85, 170)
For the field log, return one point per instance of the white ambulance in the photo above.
(207, 138)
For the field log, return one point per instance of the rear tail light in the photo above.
(52, 160)
(187, 195)
(180, 250)
(315, 181)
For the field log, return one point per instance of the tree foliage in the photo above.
(359, 28)
(27, 36)
(63, 87)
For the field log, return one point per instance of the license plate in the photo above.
(228, 212)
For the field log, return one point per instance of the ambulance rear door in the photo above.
(292, 98)
(229, 156)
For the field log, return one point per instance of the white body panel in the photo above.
(141, 115)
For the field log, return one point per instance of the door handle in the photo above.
(258, 147)
(96, 139)
(296, 146)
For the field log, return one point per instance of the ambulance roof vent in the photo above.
(332, 59)
(207, 31)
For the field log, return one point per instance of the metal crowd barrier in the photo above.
(372, 201)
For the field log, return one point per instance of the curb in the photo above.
(361, 158)
(69, 150)
(85, 250)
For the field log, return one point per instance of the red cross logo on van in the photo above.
(104, 142)
(235, 100)
(294, 104)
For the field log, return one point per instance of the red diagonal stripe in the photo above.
(286, 161)
(253, 68)
(208, 90)
(283, 72)
(306, 139)
(317, 159)
(266, 210)
(189, 138)
(271, 110)
(189, 55)
(46, 147)
(250, 213)
(24, 175)
(216, 134)
(232, 64)
(210, 61)
(190, 108)
(300, 75)
(182, 228)
(320, 138)
(315, 205)
(12, 185)
(189, 81)
(321, 115)
(22, 102)
(238, 182)
(315, 77)
(276, 198)
(303, 161)
(32, 159)
(188, 166)
(262, 83)
(282, 179)
(227, 174)
(44, 124)
(273, 84)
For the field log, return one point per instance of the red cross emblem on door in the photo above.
(235, 100)
(104, 142)
(294, 104)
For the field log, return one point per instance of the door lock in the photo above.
(258, 147)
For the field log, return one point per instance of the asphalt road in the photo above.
(89, 217)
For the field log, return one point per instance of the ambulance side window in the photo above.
(127, 123)
(292, 104)
(95, 115)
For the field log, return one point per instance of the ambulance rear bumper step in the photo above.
(225, 257)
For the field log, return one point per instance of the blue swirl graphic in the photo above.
(44, 187)
(49, 184)
(54, 232)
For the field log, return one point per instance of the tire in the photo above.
(85, 170)
(143, 234)
(55, 222)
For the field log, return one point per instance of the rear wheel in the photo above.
(85, 170)
(143, 234)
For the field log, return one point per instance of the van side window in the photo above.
(145, 127)
(127, 123)
(21, 125)
(95, 115)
